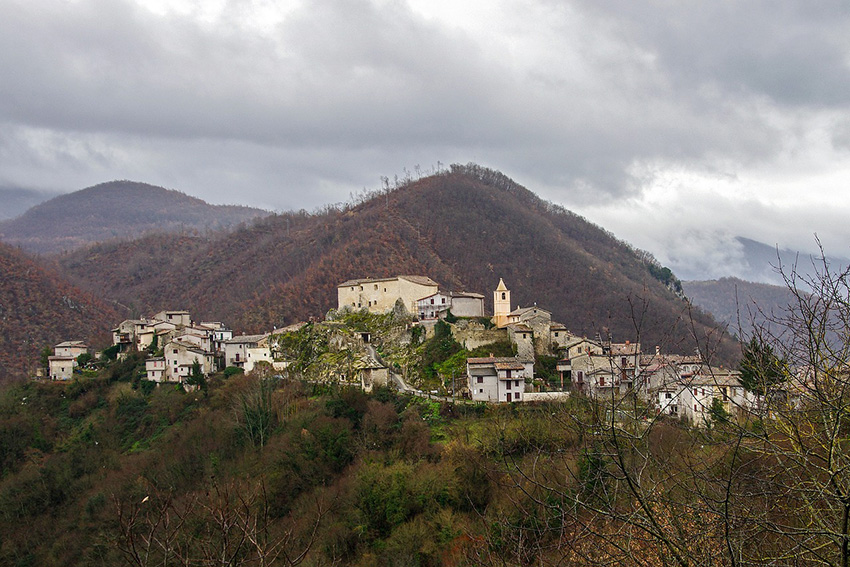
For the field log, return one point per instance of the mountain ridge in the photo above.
(465, 228)
(116, 210)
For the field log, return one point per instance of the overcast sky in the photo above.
(675, 125)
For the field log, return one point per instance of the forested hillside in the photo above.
(38, 308)
(118, 209)
(739, 304)
(465, 228)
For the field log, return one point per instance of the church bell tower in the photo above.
(501, 304)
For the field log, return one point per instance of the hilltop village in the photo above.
(518, 355)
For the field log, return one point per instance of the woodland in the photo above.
(261, 469)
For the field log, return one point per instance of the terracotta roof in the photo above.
(625, 348)
(523, 310)
(509, 366)
(494, 360)
(421, 280)
(244, 339)
(466, 294)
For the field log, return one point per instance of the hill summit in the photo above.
(465, 227)
(117, 209)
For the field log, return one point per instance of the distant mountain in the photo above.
(116, 210)
(739, 304)
(38, 308)
(761, 262)
(465, 228)
(15, 200)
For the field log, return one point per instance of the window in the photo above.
(480, 380)
(175, 351)
(602, 380)
(556, 333)
(503, 296)
(695, 407)
(668, 395)
(376, 287)
(444, 301)
(516, 383)
(508, 373)
(480, 390)
(432, 301)
(385, 290)
(516, 396)
(508, 385)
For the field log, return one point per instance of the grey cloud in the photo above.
(340, 93)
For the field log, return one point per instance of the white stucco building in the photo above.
(498, 379)
(380, 295)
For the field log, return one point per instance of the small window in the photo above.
(480, 379)
(556, 333)
(601, 380)
(385, 290)
(444, 301)
(480, 390)
(503, 296)
(669, 396)
(516, 383)
(175, 351)
(376, 287)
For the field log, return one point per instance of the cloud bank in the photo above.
(677, 127)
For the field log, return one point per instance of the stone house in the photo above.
(467, 304)
(380, 295)
(71, 349)
(522, 336)
(461, 304)
(61, 367)
(155, 369)
(180, 357)
(434, 306)
(602, 369)
(61, 364)
(176, 318)
(498, 379)
(236, 349)
(372, 373)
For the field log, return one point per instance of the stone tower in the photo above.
(501, 304)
